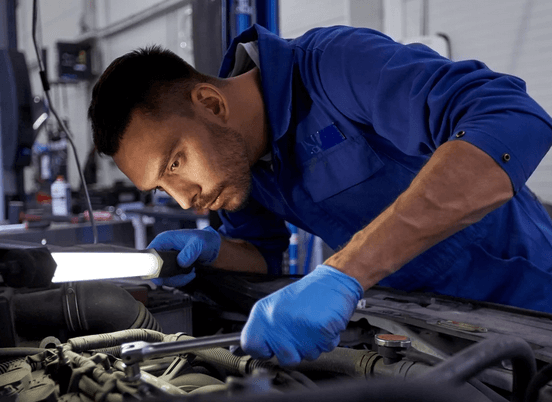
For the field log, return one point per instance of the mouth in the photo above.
(212, 203)
(216, 204)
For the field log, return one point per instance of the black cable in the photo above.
(68, 135)
(474, 359)
(539, 380)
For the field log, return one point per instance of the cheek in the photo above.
(201, 171)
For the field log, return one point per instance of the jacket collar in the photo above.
(276, 58)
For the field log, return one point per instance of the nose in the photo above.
(183, 193)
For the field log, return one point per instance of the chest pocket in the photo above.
(339, 167)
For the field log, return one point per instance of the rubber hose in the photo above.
(539, 380)
(146, 320)
(189, 382)
(93, 307)
(474, 359)
(19, 352)
(227, 360)
(114, 351)
(431, 360)
(254, 364)
(350, 362)
(101, 307)
(43, 309)
(361, 363)
(4, 366)
(90, 342)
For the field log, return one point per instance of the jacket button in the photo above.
(460, 134)
(506, 157)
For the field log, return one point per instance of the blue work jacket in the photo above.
(354, 116)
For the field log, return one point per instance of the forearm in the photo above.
(459, 185)
(239, 255)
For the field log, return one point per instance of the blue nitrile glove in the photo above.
(196, 245)
(303, 319)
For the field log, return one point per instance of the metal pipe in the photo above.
(19, 351)
(425, 18)
(243, 15)
(134, 20)
(267, 15)
(8, 40)
(224, 26)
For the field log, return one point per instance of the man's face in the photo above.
(199, 163)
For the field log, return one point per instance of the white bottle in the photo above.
(61, 197)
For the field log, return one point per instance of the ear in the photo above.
(208, 99)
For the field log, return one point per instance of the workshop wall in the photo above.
(511, 36)
(297, 17)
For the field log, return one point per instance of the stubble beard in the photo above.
(233, 163)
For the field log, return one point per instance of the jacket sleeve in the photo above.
(260, 227)
(418, 100)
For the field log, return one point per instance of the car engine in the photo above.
(107, 341)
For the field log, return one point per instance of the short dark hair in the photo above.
(153, 80)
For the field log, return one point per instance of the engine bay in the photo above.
(101, 341)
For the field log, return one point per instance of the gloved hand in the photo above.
(303, 319)
(196, 245)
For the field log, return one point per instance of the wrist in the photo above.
(239, 255)
(362, 273)
(350, 282)
(371, 254)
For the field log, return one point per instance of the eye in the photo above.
(175, 165)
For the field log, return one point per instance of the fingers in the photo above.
(261, 338)
(253, 344)
(311, 353)
(258, 344)
(190, 245)
(210, 229)
(175, 281)
(195, 245)
(332, 345)
(190, 253)
(170, 240)
(158, 281)
(286, 352)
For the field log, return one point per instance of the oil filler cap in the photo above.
(393, 341)
(389, 345)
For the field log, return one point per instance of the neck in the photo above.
(248, 112)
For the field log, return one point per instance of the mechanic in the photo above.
(410, 165)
